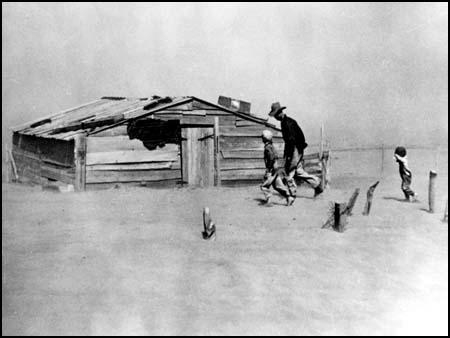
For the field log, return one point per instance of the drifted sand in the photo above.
(132, 261)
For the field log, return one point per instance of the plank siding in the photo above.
(50, 150)
(112, 157)
(119, 185)
(113, 143)
(110, 176)
(29, 165)
(242, 174)
(136, 166)
(246, 143)
(117, 131)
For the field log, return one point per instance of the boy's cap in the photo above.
(267, 135)
(400, 151)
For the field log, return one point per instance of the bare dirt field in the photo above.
(132, 261)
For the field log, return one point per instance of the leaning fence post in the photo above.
(432, 191)
(370, 192)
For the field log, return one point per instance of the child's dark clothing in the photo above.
(274, 176)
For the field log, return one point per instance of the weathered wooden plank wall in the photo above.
(117, 159)
(38, 159)
(54, 151)
(242, 152)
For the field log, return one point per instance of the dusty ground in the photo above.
(133, 262)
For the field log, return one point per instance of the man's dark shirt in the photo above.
(293, 137)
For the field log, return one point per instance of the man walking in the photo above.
(294, 146)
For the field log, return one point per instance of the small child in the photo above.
(274, 176)
(405, 173)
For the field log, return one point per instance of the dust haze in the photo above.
(371, 72)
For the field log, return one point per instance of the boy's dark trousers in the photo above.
(406, 185)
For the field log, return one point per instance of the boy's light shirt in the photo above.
(404, 160)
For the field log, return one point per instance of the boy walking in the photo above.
(274, 176)
(405, 173)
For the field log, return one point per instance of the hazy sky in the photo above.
(371, 73)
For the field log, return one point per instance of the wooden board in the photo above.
(29, 165)
(62, 175)
(66, 119)
(116, 131)
(242, 174)
(26, 164)
(136, 166)
(142, 184)
(132, 156)
(198, 156)
(233, 164)
(246, 143)
(131, 175)
(51, 150)
(113, 143)
(245, 123)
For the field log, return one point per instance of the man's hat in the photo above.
(276, 108)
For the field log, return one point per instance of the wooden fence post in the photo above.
(339, 217)
(432, 191)
(345, 209)
(323, 162)
(80, 162)
(446, 212)
(209, 228)
(217, 180)
(8, 167)
(370, 192)
(321, 141)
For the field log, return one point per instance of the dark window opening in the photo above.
(154, 133)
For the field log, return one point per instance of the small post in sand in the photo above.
(209, 228)
(340, 217)
(338, 222)
(7, 163)
(370, 192)
(432, 191)
(322, 161)
(445, 219)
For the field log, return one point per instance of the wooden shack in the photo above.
(147, 141)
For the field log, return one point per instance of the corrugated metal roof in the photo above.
(109, 112)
